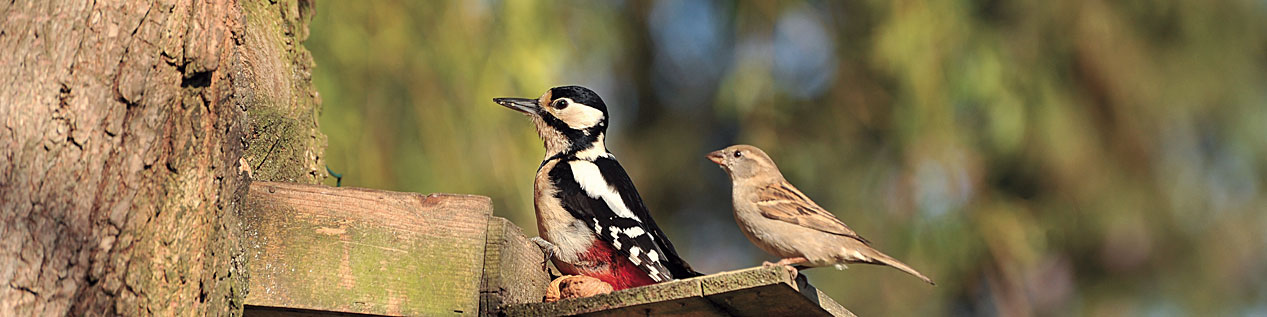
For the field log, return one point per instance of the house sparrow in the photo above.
(781, 220)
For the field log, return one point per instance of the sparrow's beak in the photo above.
(716, 157)
(525, 105)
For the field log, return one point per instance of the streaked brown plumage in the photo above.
(781, 220)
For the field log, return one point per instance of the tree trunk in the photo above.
(131, 131)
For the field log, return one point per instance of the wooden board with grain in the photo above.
(768, 292)
(364, 251)
(513, 271)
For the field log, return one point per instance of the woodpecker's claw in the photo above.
(548, 249)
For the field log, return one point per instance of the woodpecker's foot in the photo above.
(547, 248)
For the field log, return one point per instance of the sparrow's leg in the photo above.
(792, 261)
(788, 263)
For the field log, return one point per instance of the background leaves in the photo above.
(1065, 157)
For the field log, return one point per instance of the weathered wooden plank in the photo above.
(768, 292)
(512, 268)
(750, 292)
(364, 251)
(826, 302)
(678, 298)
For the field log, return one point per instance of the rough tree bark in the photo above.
(130, 132)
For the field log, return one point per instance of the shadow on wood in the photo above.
(512, 268)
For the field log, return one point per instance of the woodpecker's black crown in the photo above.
(581, 95)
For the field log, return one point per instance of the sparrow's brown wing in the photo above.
(782, 201)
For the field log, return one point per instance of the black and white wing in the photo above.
(600, 193)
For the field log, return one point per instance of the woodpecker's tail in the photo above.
(881, 258)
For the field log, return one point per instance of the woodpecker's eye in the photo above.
(559, 103)
(738, 153)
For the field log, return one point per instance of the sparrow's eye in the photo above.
(738, 153)
(559, 103)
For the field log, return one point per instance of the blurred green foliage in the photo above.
(1056, 157)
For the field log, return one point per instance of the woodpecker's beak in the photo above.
(525, 105)
(716, 157)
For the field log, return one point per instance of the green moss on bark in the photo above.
(285, 143)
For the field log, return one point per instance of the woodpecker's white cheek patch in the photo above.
(591, 180)
(579, 116)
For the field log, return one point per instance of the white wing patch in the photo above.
(591, 180)
(655, 274)
(633, 255)
(642, 251)
(634, 232)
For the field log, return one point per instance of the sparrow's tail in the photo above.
(881, 258)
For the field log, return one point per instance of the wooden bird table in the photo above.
(327, 251)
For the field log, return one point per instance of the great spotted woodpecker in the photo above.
(590, 218)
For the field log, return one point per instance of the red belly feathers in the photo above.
(620, 272)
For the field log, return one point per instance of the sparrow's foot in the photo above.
(547, 248)
(792, 270)
(791, 264)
